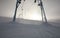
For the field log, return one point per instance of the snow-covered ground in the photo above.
(29, 29)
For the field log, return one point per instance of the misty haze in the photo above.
(33, 19)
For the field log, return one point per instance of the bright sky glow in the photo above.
(52, 8)
(30, 11)
(35, 16)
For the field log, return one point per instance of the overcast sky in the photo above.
(52, 8)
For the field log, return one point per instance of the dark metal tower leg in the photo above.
(44, 19)
(14, 18)
(17, 4)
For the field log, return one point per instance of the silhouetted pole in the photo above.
(43, 12)
(44, 19)
(17, 4)
(14, 18)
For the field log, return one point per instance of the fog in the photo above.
(52, 8)
(34, 28)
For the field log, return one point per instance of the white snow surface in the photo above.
(36, 29)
